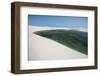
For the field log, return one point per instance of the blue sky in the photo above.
(58, 21)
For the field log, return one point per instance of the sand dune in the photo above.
(41, 48)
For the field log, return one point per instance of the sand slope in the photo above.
(41, 48)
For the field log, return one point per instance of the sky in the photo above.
(57, 21)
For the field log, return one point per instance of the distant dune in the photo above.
(42, 48)
(38, 28)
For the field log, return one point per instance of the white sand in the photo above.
(41, 48)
